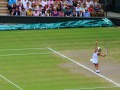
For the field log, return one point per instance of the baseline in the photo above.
(93, 88)
(11, 82)
(21, 49)
(25, 54)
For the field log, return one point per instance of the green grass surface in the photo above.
(30, 69)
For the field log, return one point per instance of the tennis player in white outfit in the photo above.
(95, 56)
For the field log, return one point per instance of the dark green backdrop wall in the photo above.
(112, 5)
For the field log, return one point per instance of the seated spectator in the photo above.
(47, 13)
(27, 6)
(30, 12)
(68, 12)
(81, 2)
(63, 5)
(61, 13)
(14, 6)
(50, 2)
(82, 8)
(55, 4)
(70, 4)
(24, 2)
(78, 8)
(42, 13)
(30, 2)
(86, 13)
(16, 12)
(9, 8)
(75, 2)
(23, 12)
(36, 13)
(59, 7)
(99, 11)
(20, 6)
(88, 3)
(55, 12)
(44, 2)
(37, 2)
(95, 3)
(81, 14)
(74, 14)
(92, 11)
(18, 2)
(33, 6)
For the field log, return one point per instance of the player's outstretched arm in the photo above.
(103, 55)
(96, 46)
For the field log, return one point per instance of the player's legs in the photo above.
(97, 68)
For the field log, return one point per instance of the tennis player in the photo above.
(95, 56)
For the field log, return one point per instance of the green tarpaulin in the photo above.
(80, 23)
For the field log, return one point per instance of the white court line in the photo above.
(11, 82)
(93, 88)
(25, 54)
(102, 76)
(21, 49)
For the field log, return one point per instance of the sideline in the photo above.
(100, 75)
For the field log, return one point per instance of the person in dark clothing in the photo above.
(16, 12)
(9, 8)
(68, 12)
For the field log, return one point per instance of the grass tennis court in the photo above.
(40, 59)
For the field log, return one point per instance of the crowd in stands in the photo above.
(74, 8)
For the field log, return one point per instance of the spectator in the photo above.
(30, 12)
(74, 14)
(55, 12)
(33, 6)
(27, 6)
(55, 4)
(43, 12)
(18, 2)
(9, 8)
(100, 11)
(88, 3)
(61, 13)
(75, 2)
(95, 3)
(86, 13)
(81, 14)
(24, 2)
(78, 10)
(92, 11)
(44, 2)
(68, 12)
(36, 13)
(14, 6)
(23, 12)
(59, 7)
(50, 2)
(63, 5)
(70, 4)
(20, 6)
(30, 2)
(16, 12)
(47, 13)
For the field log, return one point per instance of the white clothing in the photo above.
(94, 58)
